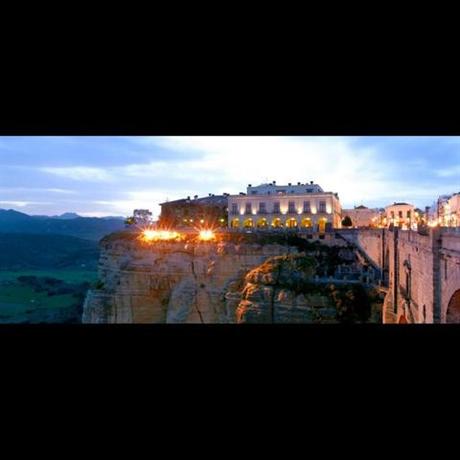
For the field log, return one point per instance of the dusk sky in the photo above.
(100, 176)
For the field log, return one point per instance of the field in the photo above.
(44, 296)
(70, 276)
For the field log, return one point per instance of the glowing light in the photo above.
(159, 235)
(206, 235)
(201, 221)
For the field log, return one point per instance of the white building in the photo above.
(292, 206)
(400, 215)
(448, 208)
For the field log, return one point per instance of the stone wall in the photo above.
(421, 272)
(449, 275)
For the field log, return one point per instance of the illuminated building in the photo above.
(268, 206)
(361, 216)
(448, 210)
(210, 211)
(401, 215)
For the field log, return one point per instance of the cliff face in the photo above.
(285, 289)
(226, 282)
(172, 282)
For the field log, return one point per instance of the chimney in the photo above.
(249, 185)
(311, 182)
(289, 184)
(195, 197)
(188, 198)
(274, 182)
(298, 183)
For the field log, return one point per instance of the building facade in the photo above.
(362, 217)
(301, 206)
(449, 211)
(400, 215)
(210, 211)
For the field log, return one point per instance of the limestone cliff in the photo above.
(171, 282)
(217, 282)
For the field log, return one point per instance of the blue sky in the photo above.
(97, 176)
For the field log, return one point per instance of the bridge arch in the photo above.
(453, 308)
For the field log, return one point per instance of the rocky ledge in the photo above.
(226, 282)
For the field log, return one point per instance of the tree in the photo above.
(346, 222)
(140, 217)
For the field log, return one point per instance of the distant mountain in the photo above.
(67, 215)
(20, 251)
(90, 228)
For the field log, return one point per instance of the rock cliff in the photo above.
(219, 282)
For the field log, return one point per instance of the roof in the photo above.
(361, 207)
(215, 199)
(399, 204)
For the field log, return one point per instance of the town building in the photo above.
(210, 211)
(301, 206)
(448, 210)
(361, 216)
(400, 215)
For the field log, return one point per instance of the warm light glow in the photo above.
(207, 235)
(160, 235)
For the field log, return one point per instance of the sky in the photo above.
(102, 176)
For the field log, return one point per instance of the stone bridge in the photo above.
(419, 271)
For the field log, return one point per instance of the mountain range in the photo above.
(69, 224)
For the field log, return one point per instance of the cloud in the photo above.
(80, 173)
(449, 172)
(37, 189)
(230, 163)
(22, 204)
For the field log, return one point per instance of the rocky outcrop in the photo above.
(286, 290)
(172, 282)
(224, 282)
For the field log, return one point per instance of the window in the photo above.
(408, 214)
(392, 214)
(234, 208)
(253, 192)
(276, 206)
(291, 207)
(262, 208)
(309, 190)
(322, 206)
(400, 214)
(248, 208)
(306, 206)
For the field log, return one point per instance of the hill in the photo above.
(90, 228)
(21, 251)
